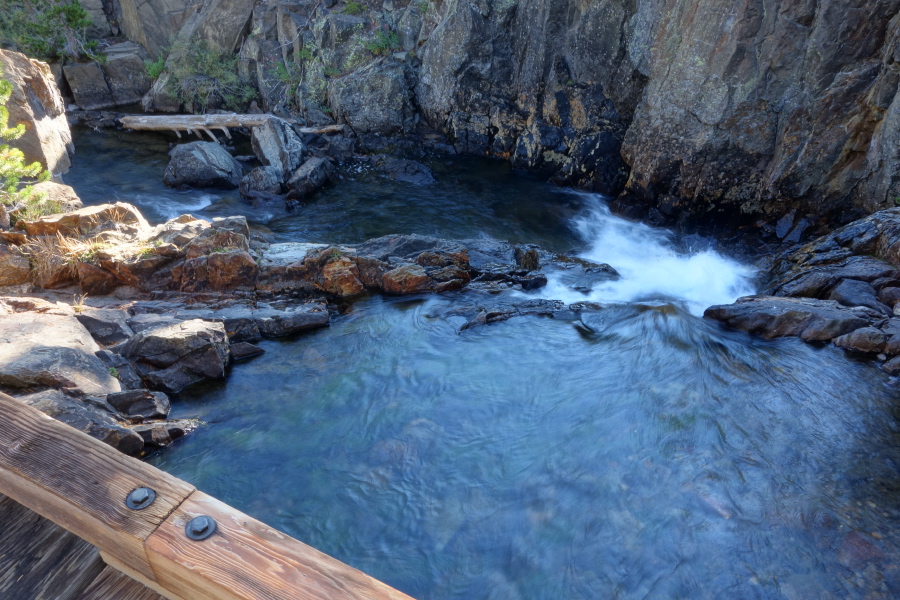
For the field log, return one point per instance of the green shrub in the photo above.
(155, 67)
(203, 78)
(382, 43)
(15, 174)
(48, 29)
(353, 8)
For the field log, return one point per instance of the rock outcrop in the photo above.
(843, 287)
(696, 110)
(37, 104)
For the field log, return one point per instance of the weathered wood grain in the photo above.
(113, 585)
(81, 483)
(131, 573)
(207, 122)
(246, 559)
(39, 560)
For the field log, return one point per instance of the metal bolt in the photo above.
(140, 498)
(200, 528)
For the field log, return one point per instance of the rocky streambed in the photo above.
(476, 399)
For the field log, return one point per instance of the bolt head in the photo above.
(140, 498)
(199, 525)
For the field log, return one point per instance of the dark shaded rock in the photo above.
(892, 366)
(89, 419)
(497, 312)
(809, 319)
(140, 404)
(174, 356)
(268, 180)
(244, 350)
(403, 169)
(313, 175)
(867, 339)
(46, 350)
(121, 369)
(851, 292)
(106, 326)
(889, 296)
(202, 164)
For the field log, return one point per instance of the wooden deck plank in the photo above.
(39, 560)
(247, 560)
(81, 484)
(113, 585)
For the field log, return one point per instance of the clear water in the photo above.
(642, 453)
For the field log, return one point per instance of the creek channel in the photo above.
(644, 452)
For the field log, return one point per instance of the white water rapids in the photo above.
(652, 269)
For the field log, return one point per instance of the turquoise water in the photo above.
(638, 451)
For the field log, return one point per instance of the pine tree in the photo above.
(17, 196)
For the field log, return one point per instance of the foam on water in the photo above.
(167, 207)
(651, 266)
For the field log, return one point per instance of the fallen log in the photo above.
(205, 123)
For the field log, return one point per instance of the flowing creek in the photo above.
(641, 453)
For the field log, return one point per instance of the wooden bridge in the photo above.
(75, 482)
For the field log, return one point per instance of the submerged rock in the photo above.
(202, 164)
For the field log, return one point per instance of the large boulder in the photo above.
(88, 418)
(202, 164)
(51, 351)
(37, 104)
(276, 145)
(171, 357)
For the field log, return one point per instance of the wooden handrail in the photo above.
(81, 484)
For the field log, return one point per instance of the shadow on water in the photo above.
(637, 452)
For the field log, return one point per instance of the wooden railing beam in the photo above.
(81, 484)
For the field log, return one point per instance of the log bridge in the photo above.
(80, 484)
(206, 123)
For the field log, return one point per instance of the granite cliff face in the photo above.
(785, 109)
